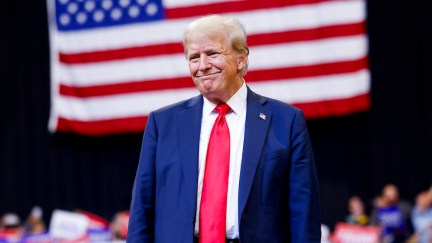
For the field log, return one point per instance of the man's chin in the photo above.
(207, 86)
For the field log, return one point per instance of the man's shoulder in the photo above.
(178, 106)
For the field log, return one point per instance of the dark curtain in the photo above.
(355, 155)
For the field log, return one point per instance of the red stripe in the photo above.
(175, 48)
(119, 54)
(186, 82)
(102, 127)
(314, 110)
(234, 6)
(307, 34)
(335, 107)
(307, 71)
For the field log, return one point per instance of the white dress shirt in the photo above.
(236, 123)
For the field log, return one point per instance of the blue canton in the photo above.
(86, 14)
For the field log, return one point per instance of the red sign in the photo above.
(351, 233)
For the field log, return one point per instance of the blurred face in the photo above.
(391, 194)
(356, 206)
(215, 68)
(379, 202)
(422, 201)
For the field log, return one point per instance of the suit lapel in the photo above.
(189, 128)
(257, 122)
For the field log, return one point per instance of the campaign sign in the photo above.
(37, 238)
(95, 222)
(68, 225)
(102, 235)
(9, 236)
(351, 233)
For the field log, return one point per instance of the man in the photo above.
(422, 217)
(393, 215)
(228, 165)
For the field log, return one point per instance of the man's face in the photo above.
(215, 68)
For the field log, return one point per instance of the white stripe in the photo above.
(316, 89)
(171, 66)
(256, 22)
(187, 3)
(52, 123)
(119, 106)
(308, 53)
(139, 104)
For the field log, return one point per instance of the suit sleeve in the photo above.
(304, 204)
(142, 209)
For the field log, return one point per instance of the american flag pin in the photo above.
(262, 116)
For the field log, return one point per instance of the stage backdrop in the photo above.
(355, 154)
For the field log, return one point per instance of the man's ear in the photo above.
(242, 62)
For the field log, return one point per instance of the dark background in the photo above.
(355, 155)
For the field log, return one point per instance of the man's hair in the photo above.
(218, 24)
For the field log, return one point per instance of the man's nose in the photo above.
(204, 62)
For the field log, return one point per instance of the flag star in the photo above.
(72, 8)
(64, 19)
(98, 15)
(142, 2)
(116, 14)
(81, 18)
(107, 4)
(124, 3)
(134, 11)
(89, 6)
(152, 9)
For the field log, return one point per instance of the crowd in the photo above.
(65, 226)
(392, 219)
(395, 220)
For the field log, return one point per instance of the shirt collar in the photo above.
(237, 102)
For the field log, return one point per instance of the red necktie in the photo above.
(212, 222)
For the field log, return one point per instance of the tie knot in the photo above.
(222, 109)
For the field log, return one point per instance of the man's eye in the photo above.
(193, 59)
(214, 54)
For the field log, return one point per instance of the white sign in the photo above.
(68, 225)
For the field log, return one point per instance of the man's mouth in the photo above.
(207, 75)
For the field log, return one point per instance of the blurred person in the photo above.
(34, 223)
(392, 214)
(422, 217)
(10, 228)
(229, 164)
(119, 225)
(379, 202)
(10, 221)
(356, 212)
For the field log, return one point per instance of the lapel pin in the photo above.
(262, 116)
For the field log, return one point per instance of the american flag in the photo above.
(114, 61)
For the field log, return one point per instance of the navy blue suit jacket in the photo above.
(278, 190)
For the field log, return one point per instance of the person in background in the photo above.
(10, 228)
(392, 214)
(119, 225)
(34, 223)
(422, 217)
(356, 212)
